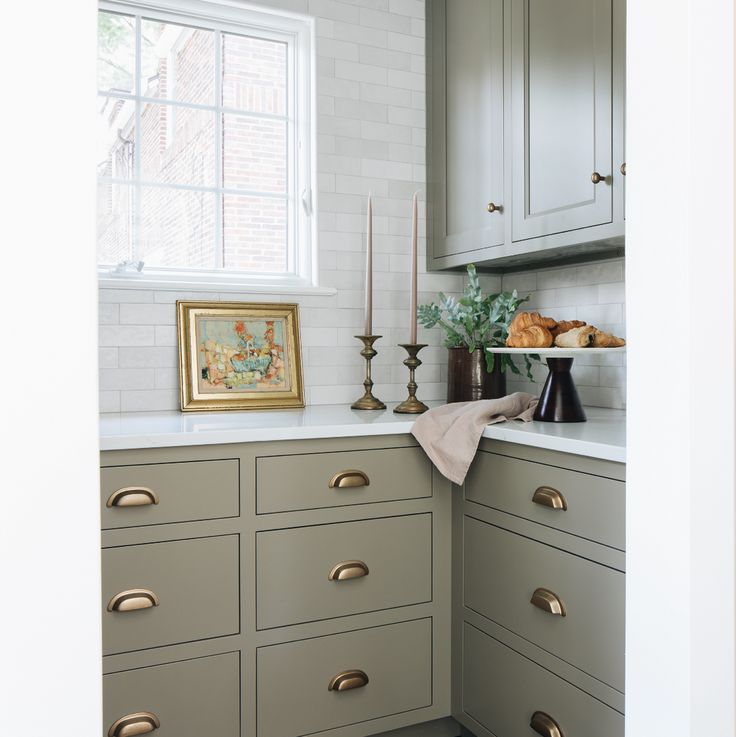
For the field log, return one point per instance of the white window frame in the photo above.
(298, 32)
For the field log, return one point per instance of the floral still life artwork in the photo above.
(239, 356)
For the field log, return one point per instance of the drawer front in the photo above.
(183, 492)
(294, 567)
(293, 679)
(318, 480)
(194, 581)
(595, 505)
(503, 690)
(191, 698)
(503, 570)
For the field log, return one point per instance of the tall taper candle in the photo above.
(413, 295)
(368, 329)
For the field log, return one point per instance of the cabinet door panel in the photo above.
(561, 102)
(468, 100)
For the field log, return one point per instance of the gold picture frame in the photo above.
(239, 356)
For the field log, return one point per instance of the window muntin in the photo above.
(203, 158)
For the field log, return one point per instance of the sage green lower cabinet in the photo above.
(191, 698)
(503, 691)
(342, 587)
(264, 571)
(178, 597)
(322, 480)
(587, 628)
(326, 571)
(539, 595)
(391, 667)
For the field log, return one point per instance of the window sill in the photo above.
(105, 281)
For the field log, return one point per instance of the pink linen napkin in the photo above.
(450, 434)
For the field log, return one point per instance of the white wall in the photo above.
(50, 668)
(371, 136)
(680, 273)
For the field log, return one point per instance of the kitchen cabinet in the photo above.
(467, 128)
(525, 132)
(538, 594)
(339, 586)
(240, 581)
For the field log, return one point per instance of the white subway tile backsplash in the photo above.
(109, 313)
(334, 10)
(128, 335)
(406, 80)
(154, 314)
(370, 18)
(147, 357)
(360, 72)
(122, 378)
(109, 401)
(362, 34)
(404, 42)
(407, 7)
(153, 400)
(108, 358)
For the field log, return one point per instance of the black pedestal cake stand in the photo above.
(559, 400)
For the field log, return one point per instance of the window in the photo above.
(204, 143)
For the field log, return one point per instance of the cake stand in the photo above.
(559, 401)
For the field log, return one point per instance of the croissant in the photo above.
(602, 339)
(534, 336)
(524, 320)
(564, 326)
(580, 337)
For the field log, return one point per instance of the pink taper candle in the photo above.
(368, 328)
(413, 295)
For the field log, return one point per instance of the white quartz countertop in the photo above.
(602, 436)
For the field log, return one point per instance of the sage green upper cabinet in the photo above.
(526, 114)
(467, 126)
(561, 121)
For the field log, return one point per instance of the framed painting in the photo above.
(239, 355)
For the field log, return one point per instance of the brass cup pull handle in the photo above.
(348, 680)
(132, 496)
(546, 496)
(142, 722)
(623, 168)
(597, 178)
(349, 479)
(543, 724)
(132, 600)
(548, 601)
(348, 569)
(493, 207)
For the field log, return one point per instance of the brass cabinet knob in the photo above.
(597, 178)
(623, 168)
(348, 569)
(543, 724)
(132, 600)
(132, 496)
(142, 722)
(548, 601)
(349, 479)
(546, 496)
(348, 680)
(493, 207)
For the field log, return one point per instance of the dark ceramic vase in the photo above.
(468, 379)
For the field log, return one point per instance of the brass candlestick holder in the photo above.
(368, 401)
(411, 405)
